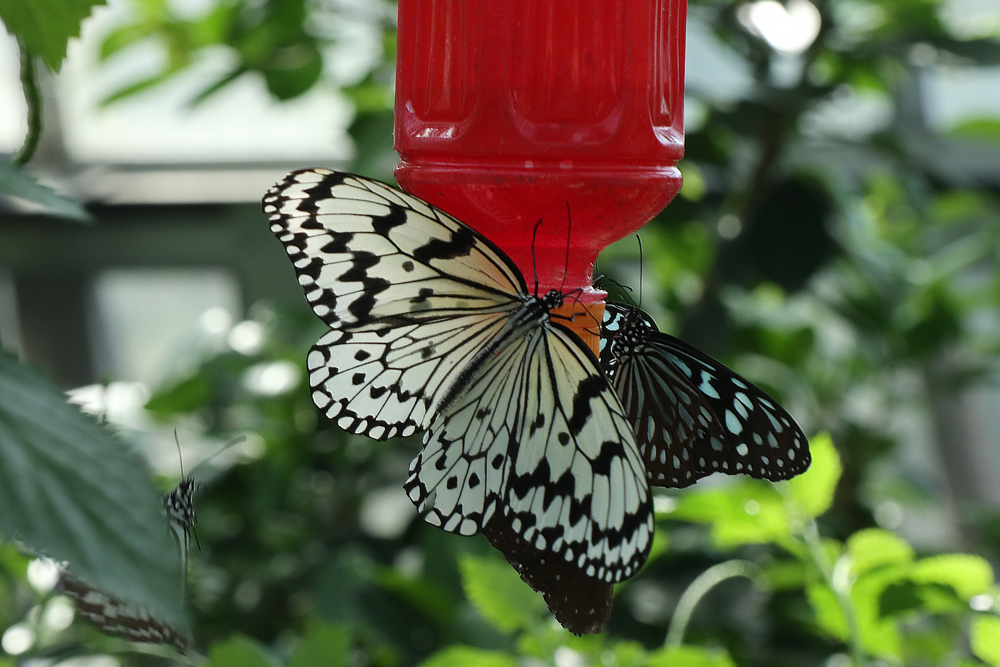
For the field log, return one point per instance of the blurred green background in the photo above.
(836, 241)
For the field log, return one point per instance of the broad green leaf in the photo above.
(969, 575)
(873, 547)
(46, 26)
(743, 512)
(239, 651)
(985, 639)
(72, 492)
(498, 593)
(689, 656)
(467, 656)
(325, 646)
(879, 636)
(829, 615)
(813, 490)
(17, 183)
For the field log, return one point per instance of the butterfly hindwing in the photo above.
(116, 618)
(692, 415)
(571, 483)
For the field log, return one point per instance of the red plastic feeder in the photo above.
(510, 111)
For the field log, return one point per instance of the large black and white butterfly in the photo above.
(116, 618)
(692, 415)
(432, 327)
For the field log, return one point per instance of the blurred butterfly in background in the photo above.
(116, 618)
(179, 502)
(432, 327)
(693, 416)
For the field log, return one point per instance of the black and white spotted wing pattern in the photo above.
(432, 327)
(116, 618)
(692, 415)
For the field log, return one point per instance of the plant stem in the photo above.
(840, 584)
(697, 590)
(33, 98)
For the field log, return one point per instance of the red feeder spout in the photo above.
(513, 111)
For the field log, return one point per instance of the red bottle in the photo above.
(513, 111)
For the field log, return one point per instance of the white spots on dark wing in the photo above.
(772, 441)
(701, 462)
(733, 423)
(757, 438)
(742, 449)
(677, 461)
(739, 383)
(717, 444)
(791, 454)
(706, 386)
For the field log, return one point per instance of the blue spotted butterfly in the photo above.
(693, 416)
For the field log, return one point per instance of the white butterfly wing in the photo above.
(410, 293)
(368, 255)
(567, 476)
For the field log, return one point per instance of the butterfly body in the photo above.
(433, 328)
(692, 415)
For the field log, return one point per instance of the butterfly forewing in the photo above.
(692, 415)
(368, 255)
(409, 293)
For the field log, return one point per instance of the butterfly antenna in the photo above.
(180, 454)
(214, 454)
(569, 233)
(639, 240)
(534, 261)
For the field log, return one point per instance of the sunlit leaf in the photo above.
(969, 575)
(467, 656)
(874, 547)
(689, 656)
(985, 639)
(813, 490)
(829, 614)
(498, 593)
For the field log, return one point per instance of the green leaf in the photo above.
(325, 646)
(873, 548)
(985, 639)
(744, 512)
(969, 575)
(879, 636)
(186, 396)
(689, 656)
(239, 651)
(45, 26)
(498, 593)
(899, 598)
(813, 490)
(466, 656)
(74, 493)
(829, 614)
(979, 129)
(18, 183)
